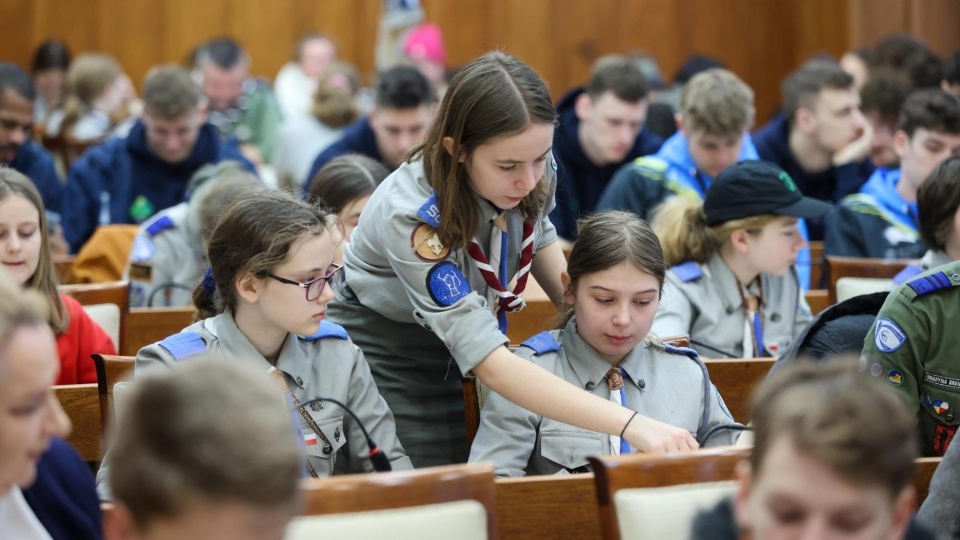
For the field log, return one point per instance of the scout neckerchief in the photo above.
(753, 322)
(619, 396)
(496, 276)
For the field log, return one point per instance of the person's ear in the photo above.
(740, 240)
(249, 287)
(447, 143)
(901, 141)
(903, 508)
(804, 120)
(741, 500)
(568, 294)
(583, 105)
(678, 118)
(118, 523)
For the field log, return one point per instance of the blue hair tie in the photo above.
(208, 284)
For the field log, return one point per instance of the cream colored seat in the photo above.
(463, 520)
(666, 512)
(107, 316)
(848, 287)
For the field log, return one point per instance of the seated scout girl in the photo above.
(733, 287)
(264, 302)
(611, 291)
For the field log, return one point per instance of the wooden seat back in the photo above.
(110, 370)
(840, 267)
(146, 326)
(82, 404)
(113, 292)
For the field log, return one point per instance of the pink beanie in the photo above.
(425, 42)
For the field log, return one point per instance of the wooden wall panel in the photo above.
(761, 40)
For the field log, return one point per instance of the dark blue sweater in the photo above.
(64, 496)
(37, 165)
(122, 181)
(358, 138)
(580, 182)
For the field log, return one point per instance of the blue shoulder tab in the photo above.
(688, 271)
(430, 212)
(184, 344)
(328, 330)
(542, 343)
(686, 351)
(911, 271)
(159, 225)
(929, 284)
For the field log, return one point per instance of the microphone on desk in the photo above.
(377, 458)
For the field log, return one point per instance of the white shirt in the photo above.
(17, 519)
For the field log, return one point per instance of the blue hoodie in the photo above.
(643, 185)
(875, 223)
(831, 185)
(36, 164)
(358, 138)
(579, 181)
(122, 181)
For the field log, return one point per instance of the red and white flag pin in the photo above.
(310, 439)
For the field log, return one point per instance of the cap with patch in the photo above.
(753, 188)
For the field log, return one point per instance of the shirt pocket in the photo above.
(570, 449)
(332, 430)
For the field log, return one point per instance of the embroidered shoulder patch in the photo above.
(328, 330)
(143, 249)
(159, 225)
(888, 336)
(430, 212)
(184, 344)
(542, 343)
(910, 272)
(928, 284)
(688, 271)
(447, 284)
(426, 244)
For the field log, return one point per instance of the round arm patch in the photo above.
(447, 284)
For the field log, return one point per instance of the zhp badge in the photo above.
(426, 243)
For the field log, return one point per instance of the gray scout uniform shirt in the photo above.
(167, 259)
(326, 364)
(702, 300)
(435, 288)
(669, 384)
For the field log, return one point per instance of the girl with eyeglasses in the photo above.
(263, 302)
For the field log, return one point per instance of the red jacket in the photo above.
(82, 338)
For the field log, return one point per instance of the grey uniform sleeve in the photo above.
(149, 358)
(507, 435)
(674, 314)
(547, 232)
(367, 403)
(720, 416)
(803, 315)
(940, 511)
(468, 327)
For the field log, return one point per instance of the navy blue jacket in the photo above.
(64, 496)
(122, 181)
(37, 165)
(358, 138)
(579, 181)
(831, 185)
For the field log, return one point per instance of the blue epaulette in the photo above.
(184, 344)
(159, 225)
(688, 271)
(924, 285)
(911, 271)
(542, 343)
(430, 212)
(686, 351)
(328, 330)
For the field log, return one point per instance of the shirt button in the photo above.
(299, 381)
(642, 384)
(590, 386)
(775, 317)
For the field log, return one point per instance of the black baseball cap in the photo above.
(753, 188)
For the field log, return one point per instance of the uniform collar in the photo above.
(235, 345)
(726, 283)
(933, 258)
(589, 366)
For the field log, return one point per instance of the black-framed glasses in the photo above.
(314, 288)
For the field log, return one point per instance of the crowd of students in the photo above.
(400, 234)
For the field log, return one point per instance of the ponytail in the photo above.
(682, 228)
